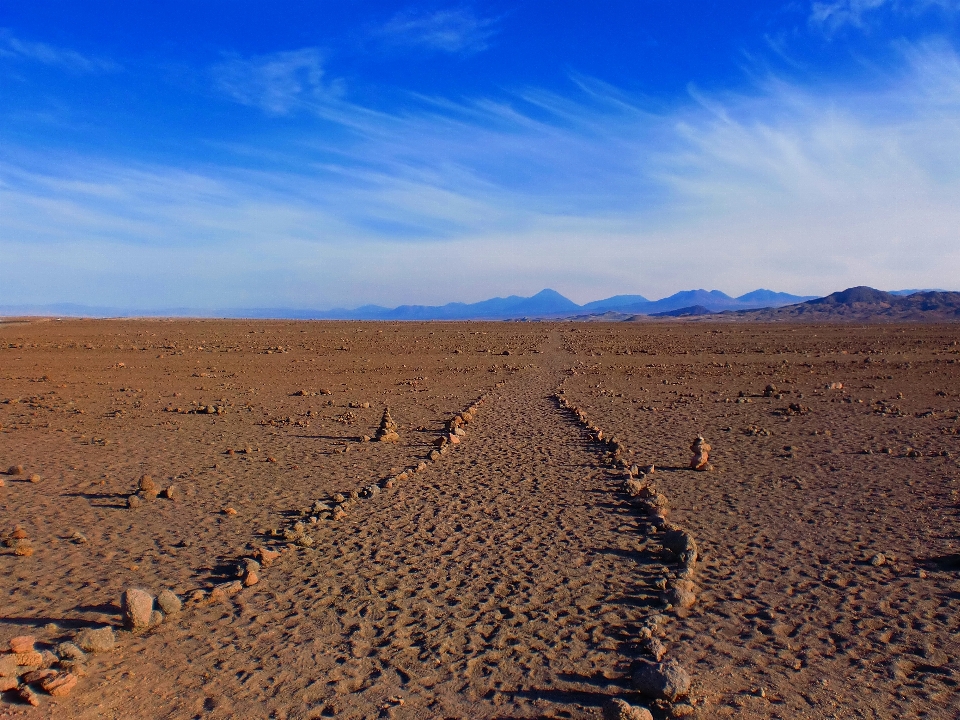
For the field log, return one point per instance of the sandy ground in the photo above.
(509, 577)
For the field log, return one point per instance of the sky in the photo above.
(237, 154)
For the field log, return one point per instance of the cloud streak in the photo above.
(452, 30)
(592, 194)
(12, 48)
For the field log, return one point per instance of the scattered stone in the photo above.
(37, 675)
(15, 470)
(69, 651)
(250, 577)
(29, 696)
(701, 454)
(23, 548)
(617, 709)
(453, 439)
(168, 602)
(434, 455)
(34, 478)
(22, 643)
(137, 607)
(78, 538)
(267, 556)
(634, 488)
(229, 511)
(170, 493)
(387, 432)
(654, 647)
(49, 659)
(8, 666)
(156, 618)
(29, 659)
(682, 594)
(134, 501)
(661, 680)
(878, 560)
(18, 533)
(770, 391)
(147, 487)
(96, 640)
(681, 710)
(60, 684)
(8, 683)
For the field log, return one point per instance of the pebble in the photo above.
(878, 560)
(29, 696)
(250, 577)
(134, 501)
(96, 640)
(8, 683)
(34, 478)
(22, 643)
(137, 608)
(8, 666)
(69, 651)
(60, 684)
(267, 557)
(617, 709)
(15, 470)
(170, 493)
(667, 680)
(229, 511)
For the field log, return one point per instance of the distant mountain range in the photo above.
(545, 304)
(865, 304)
(853, 303)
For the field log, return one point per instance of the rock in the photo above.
(77, 667)
(15, 470)
(8, 683)
(229, 511)
(137, 607)
(387, 432)
(663, 681)
(146, 485)
(60, 684)
(96, 640)
(18, 533)
(34, 478)
(22, 643)
(8, 666)
(37, 675)
(617, 709)
(29, 696)
(681, 710)
(878, 560)
(453, 439)
(49, 659)
(250, 577)
(701, 454)
(634, 488)
(156, 618)
(170, 493)
(23, 548)
(267, 556)
(69, 651)
(29, 659)
(134, 502)
(682, 594)
(434, 455)
(654, 647)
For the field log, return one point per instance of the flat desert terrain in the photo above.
(499, 559)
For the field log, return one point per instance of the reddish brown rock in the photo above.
(701, 454)
(29, 659)
(15, 470)
(29, 696)
(137, 607)
(267, 556)
(22, 644)
(34, 478)
(37, 675)
(59, 684)
(8, 683)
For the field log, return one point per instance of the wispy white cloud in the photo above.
(452, 30)
(593, 195)
(13, 48)
(277, 83)
(834, 15)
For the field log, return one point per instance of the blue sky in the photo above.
(319, 154)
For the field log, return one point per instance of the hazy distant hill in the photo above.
(866, 304)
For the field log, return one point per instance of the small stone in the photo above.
(37, 675)
(434, 455)
(655, 648)
(267, 556)
(8, 683)
(250, 577)
(15, 470)
(77, 667)
(69, 651)
(34, 478)
(29, 696)
(96, 640)
(23, 548)
(617, 709)
(667, 680)
(8, 666)
(137, 608)
(147, 485)
(170, 493)
(22, 643)
(49, 659)
(878, 560)
(134, 501)
(29, 659)
(682, 710)
(338, 498)
(229, 511)
(60, 684)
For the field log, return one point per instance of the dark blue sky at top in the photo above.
(158, 96)
(307, 132)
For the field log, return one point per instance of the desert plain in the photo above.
(507, 571)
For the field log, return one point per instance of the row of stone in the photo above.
(663, 681)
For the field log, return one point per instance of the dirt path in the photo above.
(504, 581)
